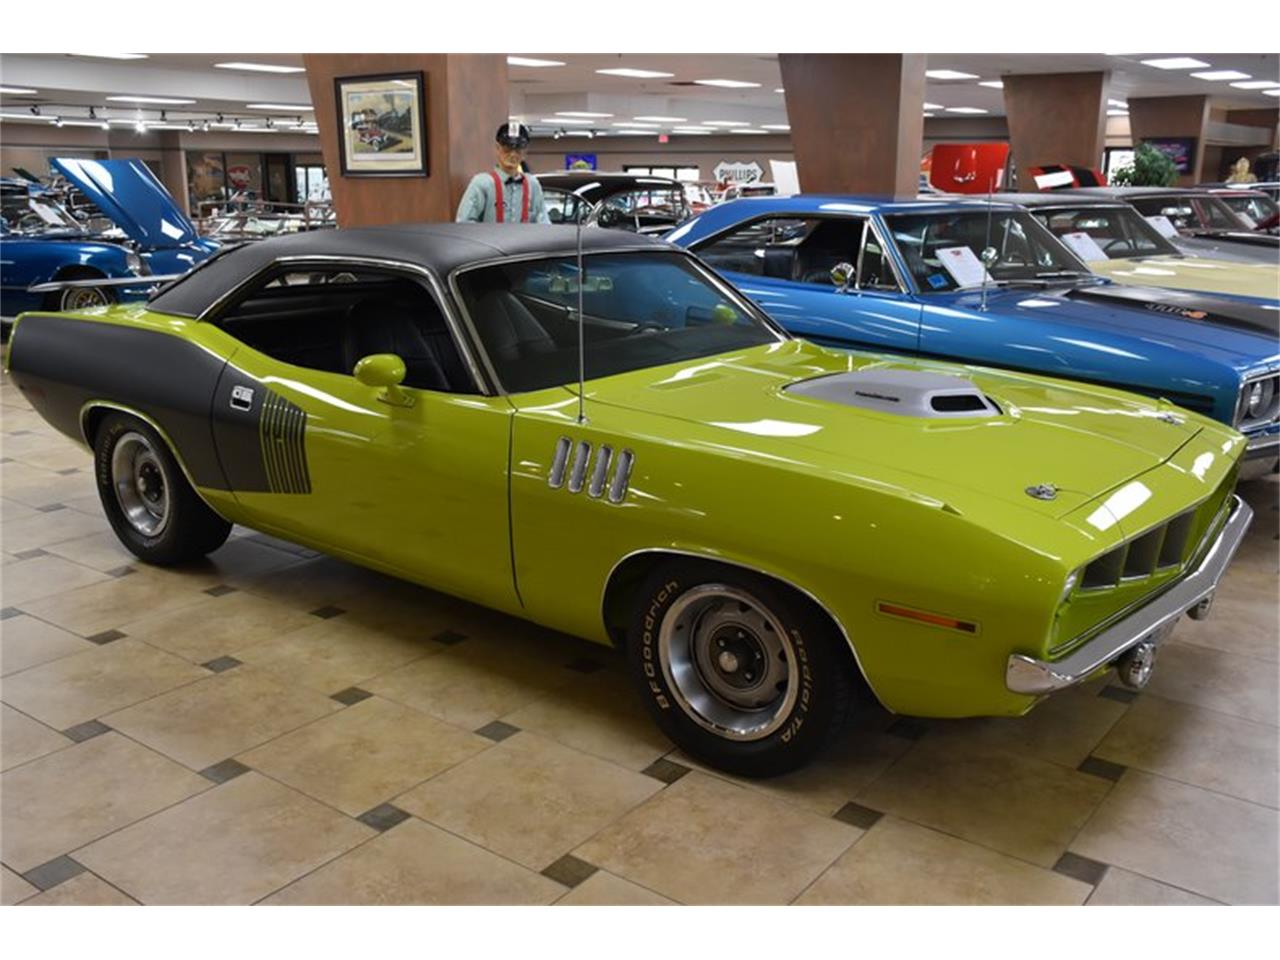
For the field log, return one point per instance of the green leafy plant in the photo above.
(1150, 168)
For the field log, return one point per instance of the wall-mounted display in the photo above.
(580, 161)
(1181, 150)
(382, 125)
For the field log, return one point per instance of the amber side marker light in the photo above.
(933, 619)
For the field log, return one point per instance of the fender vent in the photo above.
(282, 429)
(572, 468)
(906, 393)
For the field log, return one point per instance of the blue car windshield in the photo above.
(641, 310)
(932, 245)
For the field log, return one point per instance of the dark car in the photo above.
(622, 201)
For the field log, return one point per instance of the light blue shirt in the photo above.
(478, 203)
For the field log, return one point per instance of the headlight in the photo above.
(1257, 400)
(133, 262)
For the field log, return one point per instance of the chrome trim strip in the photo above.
(558, 462)
(173, 448)
(601, 471)
(750, 569)
(621, 476)
(1027, 675)
(465, 347)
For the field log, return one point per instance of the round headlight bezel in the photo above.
(1259, 397)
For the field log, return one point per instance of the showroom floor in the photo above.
(274, 726)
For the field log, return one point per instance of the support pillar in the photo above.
(857, 123)
(1055, 118)
(1165, 118)
(466, 100)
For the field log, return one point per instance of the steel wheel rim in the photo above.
(141, 484)
(728, 662)
(78, 298)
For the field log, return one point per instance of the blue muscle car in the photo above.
(41, 242)
(908, 277)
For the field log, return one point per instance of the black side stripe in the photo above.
(282, 435)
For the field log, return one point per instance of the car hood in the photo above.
(129, 193)
(1194, 273)
(1083, 441)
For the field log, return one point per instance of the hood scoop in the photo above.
(907, 393)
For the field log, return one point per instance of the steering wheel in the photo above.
(1115, 242)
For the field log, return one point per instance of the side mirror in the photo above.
(989, 256)
(384, 370)
(842, 276)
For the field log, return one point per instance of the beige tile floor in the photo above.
(201, 736)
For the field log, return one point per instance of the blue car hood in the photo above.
(129, 193)
(1244, 335)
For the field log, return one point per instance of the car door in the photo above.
(417, 487)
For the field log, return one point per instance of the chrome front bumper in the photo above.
(1148, 623)
(1260, 456)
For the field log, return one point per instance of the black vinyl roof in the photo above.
(594, 187)
(439, 247)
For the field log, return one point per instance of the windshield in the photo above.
(563, 206)
(1259, 208)
(28, 214)
(1117, 232)
(934, 245)
(642, 310)
(1188, 212)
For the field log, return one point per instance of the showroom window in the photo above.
(328, 318)
(803, 249)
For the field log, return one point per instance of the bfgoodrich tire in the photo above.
(738, 670)
(147, 499)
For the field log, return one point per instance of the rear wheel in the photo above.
(147, 499)
(736, 669)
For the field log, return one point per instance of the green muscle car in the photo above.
(769, 529)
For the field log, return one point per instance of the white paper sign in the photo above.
(1163, 225)
(1247, 220)
(1083, 246)
(965, 268)
(785, 178)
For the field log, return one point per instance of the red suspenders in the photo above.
(524, 196)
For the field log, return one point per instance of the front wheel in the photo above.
(81, 298)
(147, 499)
(736, 669)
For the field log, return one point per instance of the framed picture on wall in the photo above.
(382, 124)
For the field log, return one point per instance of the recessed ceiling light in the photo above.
(747, 130)
(259, 67)
(280, 106)
(633, 133)
(949, 75)
(634, 73)
(560, 121)
(1222, 75)
(965, 110)
(779, 90)
(691, 130)
(928, 114)
(726, 123)
(26, 116)
(1256, 84)
(533, 62)
(633, 123)
(1176, 63)
(17, 90)
(164, 100)
(732, 84)
(1117, 103)
(112, 56)
(580, 113)
(664, 119)
(1113, 112)
(993, 84)
(775, 126)
(1273, 92)
(933, 106)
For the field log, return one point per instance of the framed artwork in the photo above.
(1181, 150)
(382, 123)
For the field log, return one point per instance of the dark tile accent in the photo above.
(449, 637)
(856, 815)
(221, 590)
(56, 871)
(121, 571)
(67, 472)
(6, 459)
(220, 664)
(224, 770)
(8, 612)
(498, 731)
(31, 554)
(569, 870)
(383, 817)
(665, 770)
(909, 728)
(1102, 768)
(86, 731)
(51, 507)
(328, 613)
(106, 636)
(1118, 694)
(350, 696)
(585, 665)
(1081, 868)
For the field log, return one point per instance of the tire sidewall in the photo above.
(109, 434)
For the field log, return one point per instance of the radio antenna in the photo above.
(987, 260)
(582, 352)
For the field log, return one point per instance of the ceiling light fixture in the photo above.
(1114, 112)
(57, 121)
(634, 73)
(633, 123)
(779, 90)
(933, 106)
(775, 126)
(533, 62)
(172, 101)
(927, 114)
(18, 91)
(730, 84)
(1118, 103)
(112, 56)
(1222, 75)
(581, 113)
(993, 84)
(1175, 63)
(259, 67)
(726, 123)
(1256, 84)
(663, 119)
(280, 106)
(23, 116)
(35, 109)
(563, 120)
(949, 75)
(965, 110)
(1273, 92)
(692, 131)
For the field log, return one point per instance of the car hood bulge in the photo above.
(1081, 441)
(129, 193)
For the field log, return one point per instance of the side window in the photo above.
(328, 318)
(762, 248)
(876, 272)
